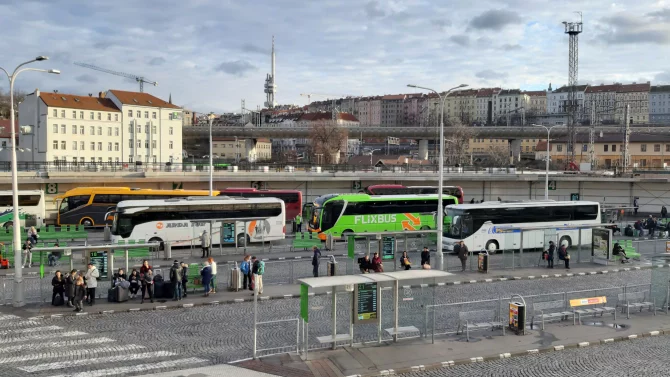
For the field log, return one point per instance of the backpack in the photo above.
(261, 268)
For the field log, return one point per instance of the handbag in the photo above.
(567, 256)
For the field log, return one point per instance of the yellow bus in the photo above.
(88, 205)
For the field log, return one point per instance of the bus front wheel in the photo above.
(86, 222)
(241, 238)
(346, 234)
(157, 240)
(565, 240)
(9, 225)
(492, 246)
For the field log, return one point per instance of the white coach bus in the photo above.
(486, 226)
(31, 205)
(182, 221)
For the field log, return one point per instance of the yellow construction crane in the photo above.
(139, 79)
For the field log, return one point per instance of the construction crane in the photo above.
(334, 110)
(139, 79)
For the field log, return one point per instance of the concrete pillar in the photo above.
(423, 149)
(514, 151)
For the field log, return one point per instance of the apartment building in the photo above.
(600, 103)
(392, 110)
(646, 150)
(636, 97)
(6, 134)
(558, 100)
(72, 128)
(461, 106)
(411, 112)
(508, 105)
(659, 104)
(152, 127)
(537, 102)
(484, 105)
(485, 145)
(232, 149)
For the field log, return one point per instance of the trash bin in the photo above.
(332, 266)
(517, 317)
(107, 233)
(167, 250)
(235, 282)
(483, 262)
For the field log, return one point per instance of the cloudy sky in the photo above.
(210, 54)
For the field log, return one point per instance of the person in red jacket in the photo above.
(145, 267)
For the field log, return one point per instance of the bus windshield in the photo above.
(122, 225)
(461, 225)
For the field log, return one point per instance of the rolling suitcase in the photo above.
(121, 294)
(235, 283)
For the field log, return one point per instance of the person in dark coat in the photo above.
(564, 256)
(134, 280)
(79, 293)
(70, 279)
(462, 254)
(315, 261)
(206, 274)
(147, 280)
(405, 262)
(364, 264)
(58, 282)
(425, 256)
(184, 277)
(664, 212)
(550, 254)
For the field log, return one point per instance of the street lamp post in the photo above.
(17, 296)
(372, 151)
(546, 173)
(440, 210)
(211, 117)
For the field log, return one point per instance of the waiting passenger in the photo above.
(377, 264)
(364, 264)
(134, 280)
(405, 262)
(618, 250)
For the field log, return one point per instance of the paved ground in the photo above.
(638, 358)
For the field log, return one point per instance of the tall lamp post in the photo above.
(17, 297)
(440, 210)
(546, 173)
(211, 117)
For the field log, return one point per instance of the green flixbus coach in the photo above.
(339, 214)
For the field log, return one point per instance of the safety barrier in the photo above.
(280, 349)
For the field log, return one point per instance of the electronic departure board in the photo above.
(228, 233)
(366, 303)
(99, 260)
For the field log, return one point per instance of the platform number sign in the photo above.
(356, 185)
(552, 185)
(51, 188)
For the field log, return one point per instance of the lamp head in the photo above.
(411, 85)
(41, 58)
(54, 71)
(462, 85)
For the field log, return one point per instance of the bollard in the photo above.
(167, 250)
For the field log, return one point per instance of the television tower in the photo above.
(573, 29)
(270, 85)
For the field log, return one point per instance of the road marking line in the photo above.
(49, 336)
(108, 359)
(30, 329)
(66, 343)
(136, 368)
(60, 355)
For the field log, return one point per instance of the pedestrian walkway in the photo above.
(33, 348)
(419, 354)
(213, 371)
(274, 292)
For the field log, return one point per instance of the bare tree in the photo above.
(326, 140)
(497, 156)
(456, 148)
(5, 107)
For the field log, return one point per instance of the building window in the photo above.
(643, 147)
(55, 128)
(74, 130)
(585, 148)
(55, 144)
(81, 115)
(139, 144)
(116, 131)
(559, 148)
(146, 143)
(81, 130)
(146, 114)
(63, 145)
(153, 144)
(170, 145)
(130, 158)
(116, 117)
(62, 113)
(130, 129)
(613, 147)
(109, 117)
(667, 147)
(146, 129)
(91, 131)
(116, 160)
(130, 113)
(138, 114)
(62, 129)
(74, 145)
(657, 147)
(93, 160)
(91, 115)
(171, 131)
(109, 131)
(130, 143)
(139, 129)
(99, 145)
(116, 147)
(153, 130)
(153, 115)
(109, 160)
(109, 146)
(92, 145)
(81, 145)
(74, 115)
(55, 113)
(99, 131)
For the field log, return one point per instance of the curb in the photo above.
(480, 359)
(417, 286)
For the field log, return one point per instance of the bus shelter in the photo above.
(388, 244)
(365, 304)
(228, 234)
(102, 256)
(598, 244)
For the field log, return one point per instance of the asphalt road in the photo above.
(644, 357)
(141, 342)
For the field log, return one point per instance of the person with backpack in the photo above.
(315, 261)
(245, 269)
(175, 279)
(184, 278)
(206, 275)
(564, 256)
(257, 272)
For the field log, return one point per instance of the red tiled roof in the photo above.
(263, 140)
(536, 93)
(6, 130)
(464, 93)
(393, 97)
(141, 99)
(311, 117)
(487, 92)
(71, 101)
(631, 88)
(542, 146)
(603, 88)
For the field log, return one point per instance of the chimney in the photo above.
(101, 94)
(37, 92)
(55, 90)
(90, 94)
